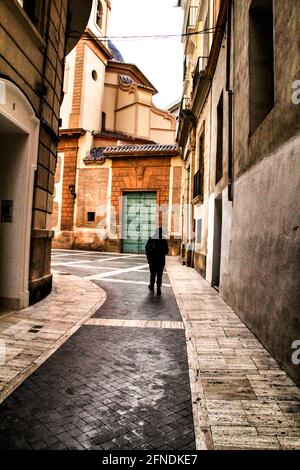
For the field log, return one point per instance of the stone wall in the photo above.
(33, 60)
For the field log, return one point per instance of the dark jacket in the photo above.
(156, 251)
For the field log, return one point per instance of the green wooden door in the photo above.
(139, 217)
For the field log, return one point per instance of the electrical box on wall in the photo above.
(7, 211)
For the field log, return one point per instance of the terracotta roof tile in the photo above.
(98, 153)
(121, 136)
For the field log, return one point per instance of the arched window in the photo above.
(99, 14)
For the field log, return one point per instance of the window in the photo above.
(66, 77)
(219, 154)
(198, 177)
(99, 14)
(94, 75)
(200, 163)
(261, 61)
(91, 216)
(103, 121)
(199, 231)
(34, 10)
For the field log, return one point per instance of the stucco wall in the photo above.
(66, 107)
(92, 90)
(284, 120)
(262, 276)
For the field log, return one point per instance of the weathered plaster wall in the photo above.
(66, 106)
(261, 278)
(283, 121)
(92, 90)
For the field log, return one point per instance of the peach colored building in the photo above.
(119, 172)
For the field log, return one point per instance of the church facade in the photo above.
(119, 172)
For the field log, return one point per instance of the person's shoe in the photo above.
(150, 287)
(158, 291)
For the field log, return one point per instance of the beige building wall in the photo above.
(68, 89)
(92, 90)
(250, 225)
(129, 109)
(104, 95)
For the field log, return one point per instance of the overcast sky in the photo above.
(161, 60)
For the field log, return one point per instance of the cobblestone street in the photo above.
(120, 382)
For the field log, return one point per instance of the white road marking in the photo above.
(123, 255)
(118, 271)
(176, 325)
(53, 255)
(127, 281)
(69, 263)
(85, 266)
(92, 261)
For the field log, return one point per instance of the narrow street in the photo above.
(103, 363)
(120, 382)
(139, 136)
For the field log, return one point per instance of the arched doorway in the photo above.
(19, 137)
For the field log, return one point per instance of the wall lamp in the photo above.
(72, 191)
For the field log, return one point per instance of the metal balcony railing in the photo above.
(185, 104)
(198, 183)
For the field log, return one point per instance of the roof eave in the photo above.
(134, 68)
(79, 17)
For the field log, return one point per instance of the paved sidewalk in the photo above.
(241, 397)
(30, 336)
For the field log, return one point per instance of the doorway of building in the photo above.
(217, 243)
(18, 156)
(139, 220)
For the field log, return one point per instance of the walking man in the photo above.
(156, 251)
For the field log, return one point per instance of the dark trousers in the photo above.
(156, 272)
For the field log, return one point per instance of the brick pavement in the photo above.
(109, 386)
(29, 336)
(105, 388)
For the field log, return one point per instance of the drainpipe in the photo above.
(230, 102)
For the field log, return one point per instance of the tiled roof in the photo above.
(126, 79)
(98, 153)
(117, 56)
(121, 136)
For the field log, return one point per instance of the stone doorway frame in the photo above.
(16, 110)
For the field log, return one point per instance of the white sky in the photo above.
(161, 60)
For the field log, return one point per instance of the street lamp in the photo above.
(72, 191)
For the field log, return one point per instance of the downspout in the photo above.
(230, 102)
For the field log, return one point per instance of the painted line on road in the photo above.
(111, 258)
(126, 281)
(119, 271)
(176, 325)
(85, 266)
(123, 255)
(68, 263)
